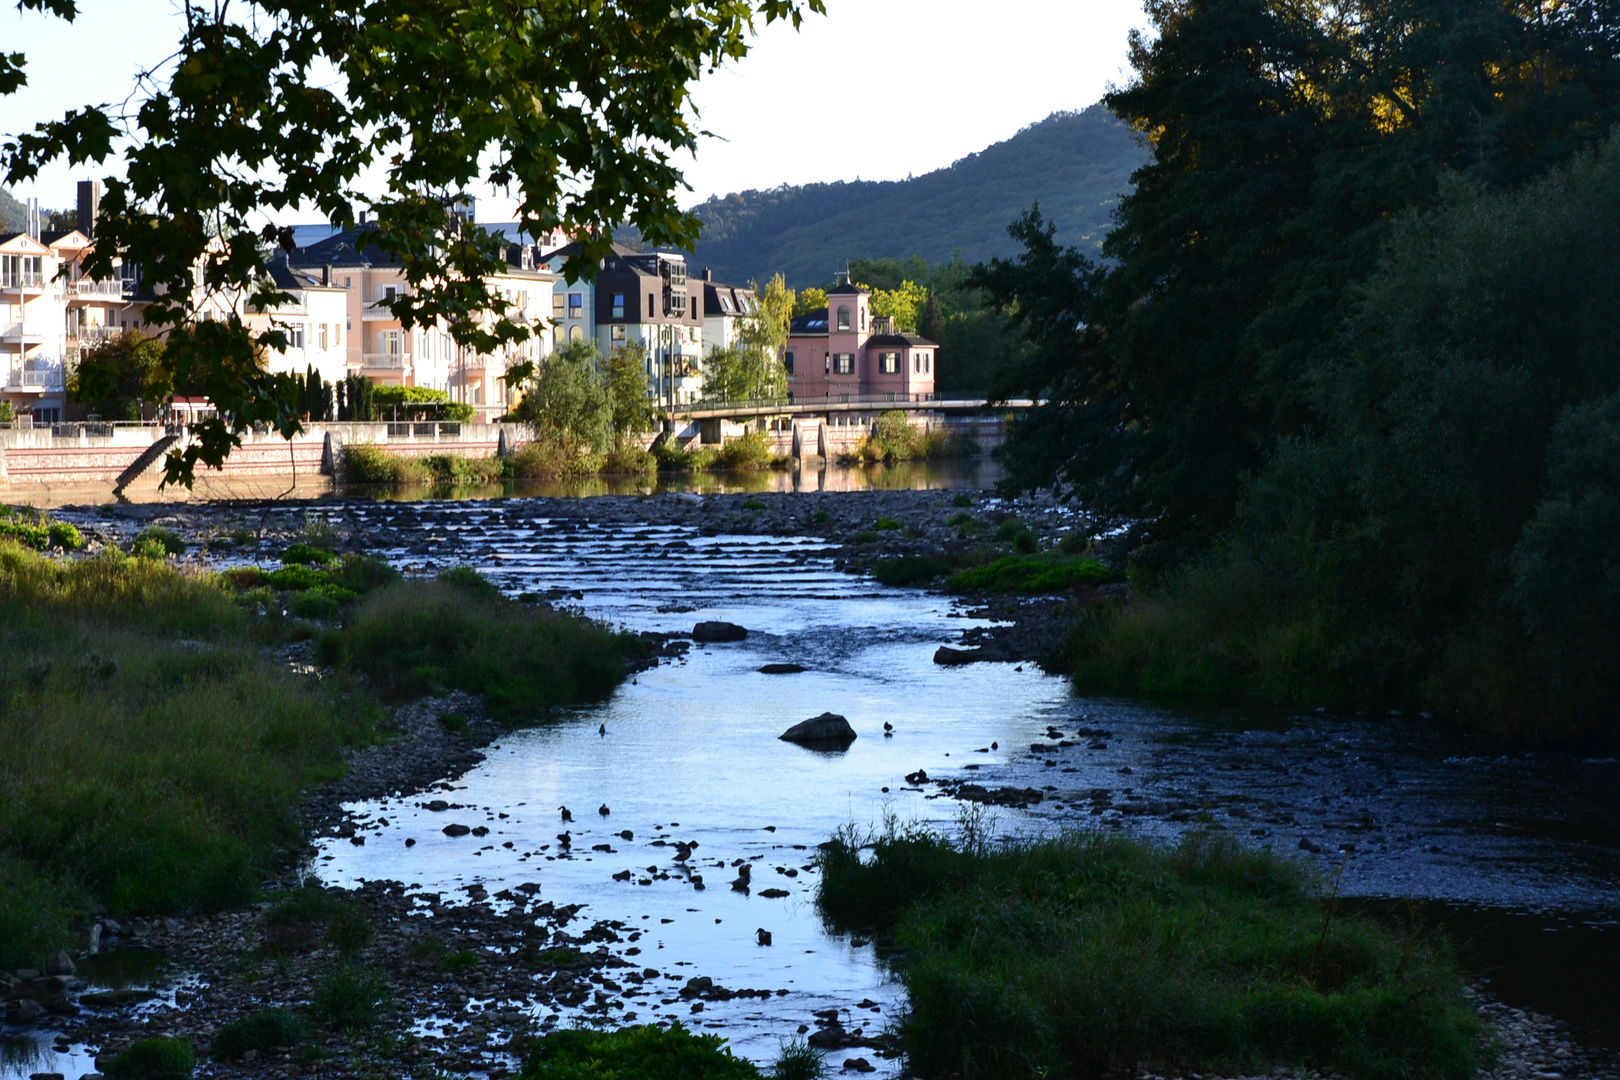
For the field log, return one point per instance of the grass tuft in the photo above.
(1085, 953)
(1043, 573)
(909, 570)
(349, 997)
(633, 1053)
(154, 1059)
(428, 637)
(267, 1030)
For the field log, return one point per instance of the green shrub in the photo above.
(146, 548)
(457, 469)
(633, 1053)
(309, 904)
(866, 536)
(369, 463)
(962, 500)
(961, 519)
(166, 538)
(1032, 574)
(241, 537)
(469, 581)
(268, 1030)
(752, 504)
(316, 603)
(295, 578)
(65, 536)
(1010, 528)
(362, 573)
(1087, 953)
(426, 637)
(348, 929)
(626, 458)
(349, 996)
(153, 1059)
(752, 450)
(35, 536)
(1026, 543)
(36, 908)
(457, 962)
(886, 524)
(307, 555)
(547, 458)
(453, 722)
(910, 570)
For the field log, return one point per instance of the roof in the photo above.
(848, 288)
(811, 322)
(714, 302)
(901, 341)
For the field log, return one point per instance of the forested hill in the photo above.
(13, 214)
(1074, 164)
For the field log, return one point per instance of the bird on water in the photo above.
(603, 810)
(566, 816)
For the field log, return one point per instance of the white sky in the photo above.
(926, 82)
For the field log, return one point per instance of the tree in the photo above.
(904, 304)
(115, 376)
(1286, 139)
(751, 368)
(272, 106)
(809, 300)
(568, 403)
(627, 387)
(356, 398)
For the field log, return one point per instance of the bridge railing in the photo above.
(806, 402)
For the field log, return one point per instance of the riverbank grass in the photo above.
(150, 753)
(460, 633)
(1087, 953)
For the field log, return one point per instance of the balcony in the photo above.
(22, 281)
(35, 329)
(386, 361)
(113, 290)
(36, 374)
(89, 335)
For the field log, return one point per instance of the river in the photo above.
(1516, 852)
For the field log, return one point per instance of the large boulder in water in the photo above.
(828, 729)
(705, 632)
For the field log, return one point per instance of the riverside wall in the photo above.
(91, 453)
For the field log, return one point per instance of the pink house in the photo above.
(843, 349)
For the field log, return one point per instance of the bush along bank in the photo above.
(154, 749)
(1087, 954)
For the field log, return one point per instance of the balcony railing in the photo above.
(86, 287)
(22, 281)
(27, 330)
(386, 361)
(36, 374)
(87, 335)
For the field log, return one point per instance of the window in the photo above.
(337, 336)
(557, 305)
(725, 302)
(863, 318)
(618, 306)
(576, 305)
(617, 333)
(321, 338)
(389, 292)
(787, 361)
(890, 362)
(844, 363)
(391, 342)
(295, 336)
(25, 271)
(928, 362)
(843, 318)
(651, 307)
(575, 333)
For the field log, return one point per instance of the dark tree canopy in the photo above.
(1285, 139)
(273, 106)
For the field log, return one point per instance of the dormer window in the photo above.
(843, 318)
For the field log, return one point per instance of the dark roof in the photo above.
(712, 301)
(848, 288)
(288, 277)
(902, 341)
(351, 247)
(811, 322)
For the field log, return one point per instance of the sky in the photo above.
(925, 82)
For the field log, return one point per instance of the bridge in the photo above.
(844, 403)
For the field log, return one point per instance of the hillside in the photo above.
(13, 214)
(1075, 164)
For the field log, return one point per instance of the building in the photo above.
(843, 350)
(314, 321)
(638, 298)
(724, 309)
(50, 311)
(379, 347)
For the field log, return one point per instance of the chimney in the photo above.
(326, 275)
(33, 219)
(89, 206)
(708, 275)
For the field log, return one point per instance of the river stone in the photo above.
(955, 657)
(781, 669)
(707, 632)
(23, 1011)
(59, 963)
(456, 830)
(824, 730)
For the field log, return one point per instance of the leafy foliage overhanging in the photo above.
(270, 106)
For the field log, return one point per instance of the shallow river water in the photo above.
(1517, 853)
